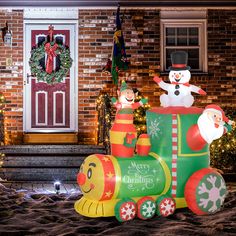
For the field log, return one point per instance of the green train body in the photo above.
(111, 184)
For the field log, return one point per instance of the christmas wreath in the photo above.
(52, 49)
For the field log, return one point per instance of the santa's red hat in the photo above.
(217, 109)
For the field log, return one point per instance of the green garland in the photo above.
(56, 76)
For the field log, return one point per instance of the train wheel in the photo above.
(146, 208)
(165, 206)
(125, 210)
(205, 191)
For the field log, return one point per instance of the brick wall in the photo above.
(142, 37)
(95, 43)
(221, 82)
(11, 77)
(96, 29)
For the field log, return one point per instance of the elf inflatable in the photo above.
(123, 134)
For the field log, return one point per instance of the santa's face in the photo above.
(127, 97)
(215, 117)
(210, 126)
(180, 76)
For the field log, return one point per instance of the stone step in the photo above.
(52, 149)
(43, 161)
(39, 174)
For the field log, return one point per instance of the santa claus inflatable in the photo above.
(179, 90)
(211, 125)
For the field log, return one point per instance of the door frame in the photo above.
(73, 70)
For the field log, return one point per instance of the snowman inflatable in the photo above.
(179, 90)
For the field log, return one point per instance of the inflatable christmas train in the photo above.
(171, 166)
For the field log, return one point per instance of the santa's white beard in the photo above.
(208, 130)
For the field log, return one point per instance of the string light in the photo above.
(2, 122)
(103, 106)
(1, 159)
(2, 126)
(140, 115)
(223, 150)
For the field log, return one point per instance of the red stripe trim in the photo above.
(174, 154)
(119, 150)
(141, 145)
(174, 161)
(99, 156)
(176, 110)
(179, 65)
(124, 116)
(124, 128)
(109, 183)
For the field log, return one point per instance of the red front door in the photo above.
(50, 107)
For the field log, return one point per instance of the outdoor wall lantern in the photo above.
(7, 36)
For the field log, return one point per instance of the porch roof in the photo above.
(114, 3)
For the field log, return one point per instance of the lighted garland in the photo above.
(2, 156)
(2, 102)
(140, 115)
(2, 106)
(223, 150)
(104, 108)
(56, 76)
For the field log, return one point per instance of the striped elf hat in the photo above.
(123, 86)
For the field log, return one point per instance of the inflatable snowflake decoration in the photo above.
(213, 194)
(128, 211)
(167, 207)
(148, 209)
(154, 128)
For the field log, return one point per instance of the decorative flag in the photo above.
(107, 68)
(119, 59)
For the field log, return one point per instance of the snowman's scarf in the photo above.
(185, 84)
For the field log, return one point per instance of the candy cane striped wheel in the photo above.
(205, 191)
(165, 206)
(125, 210)
(146, 208)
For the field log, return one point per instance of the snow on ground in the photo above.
(25, 212)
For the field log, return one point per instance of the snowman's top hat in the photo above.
(179, 60)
